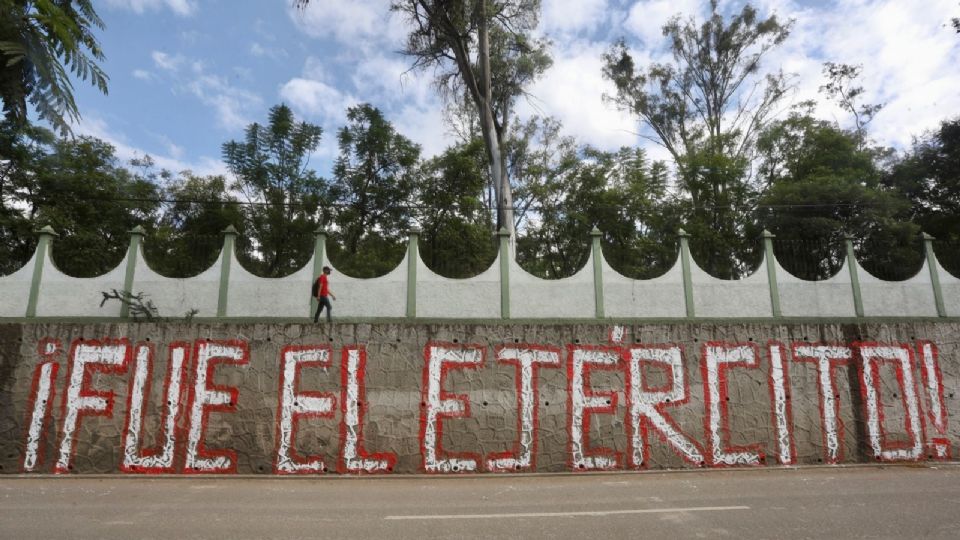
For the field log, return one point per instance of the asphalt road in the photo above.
(857, 502)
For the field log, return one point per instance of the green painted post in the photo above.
(226, 256)
(685, 265)
(47, 234)
(504, 273)
(136, 237)
(934, 274)
(413, 254)
(319, 252)
(595, 235)
(771, 272)
(854, 276)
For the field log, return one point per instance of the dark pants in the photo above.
(323, 301)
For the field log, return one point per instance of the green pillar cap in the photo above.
(503, 232)
(768, 234)
(414, 231)
(596, 232)
(48, 230)
(682, 233)
(138, 230)
(320, 232)
(849, 237)
(230, 230)
(927, 237)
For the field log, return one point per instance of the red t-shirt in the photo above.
(324, 285)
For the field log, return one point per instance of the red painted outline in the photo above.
(362, 405)
(788, 402)
(202, 451)
(942, 441)
(588, 412)
(660, 407)
(535, 397)
(833, 364)
(724, 409)
(88, 371)
(46, 358)
(444, 395)
(157, 448)
(296, 416)
(885, 444)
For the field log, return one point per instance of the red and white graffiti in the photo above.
(906, 415)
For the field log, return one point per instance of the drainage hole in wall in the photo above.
(260, 468)
(484, 403)
(837, 396)
(787, 396)
(323, 469)
(576, 340)
(580, 465)
(726, 398)
(517, 467)
(456, 341)
(547, 403)
(668, 400)
(296, 403)
(268, 339)
(695, 340)
(169, 403)
(608, 402)
(894, 395)
(398, 340)
(913, 338)
(951, 394)
(456, 468)
(819, 460)
(749, 339)
(422, 404)
(148, 339)
(701, 464)
(516, 340)
(330, 338)
(805, 338)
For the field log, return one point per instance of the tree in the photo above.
(188, 235)
(455, 227)
(841, 87)
(41, 44)
(81, 190)
(374, 181)
(23, 150)
(705, 108)
(823, 187)
(929, 176)
(284, 196)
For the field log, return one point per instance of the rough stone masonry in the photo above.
(179, 398)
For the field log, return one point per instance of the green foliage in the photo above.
(823, 187)
(287, 199)
(23, 150)
(188, 236)
(373, 181)
(705, 108)
(455, 239)
(42, 43)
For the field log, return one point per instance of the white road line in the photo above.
(573, 514)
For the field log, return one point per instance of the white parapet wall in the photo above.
(503, 291)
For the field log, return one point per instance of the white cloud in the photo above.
(165, 61)
(171, 159)
(317, 100)
(571, 16)
(366, 24)
(180, 7)
(263, 51)
(646, 19)
(142, 74)
(572, 91)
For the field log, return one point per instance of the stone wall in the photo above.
(464, 398)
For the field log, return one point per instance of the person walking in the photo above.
(323, 294)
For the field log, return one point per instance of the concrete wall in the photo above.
(505, 290)
(462, 398)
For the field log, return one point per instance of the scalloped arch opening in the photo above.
(642, 258)
(182, 257)
(375, 257)
(890, 257)
(288, 258)
(948, 255)
(458, 254)
(810, 259)
(541, 256)
(727, 260)
(87, 255)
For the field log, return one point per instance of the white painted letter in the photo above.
(902, 358)
(647, 405)
(717, 358)
(355, 457)
(295, 405)
(438, 405)
(826, 357)
(527, 360)
(583, 404)
(205, 397)
(108, 356)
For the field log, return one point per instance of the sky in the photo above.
(188, 75)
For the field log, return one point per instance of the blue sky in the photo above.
(188, 75)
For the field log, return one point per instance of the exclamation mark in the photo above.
(939, 445)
